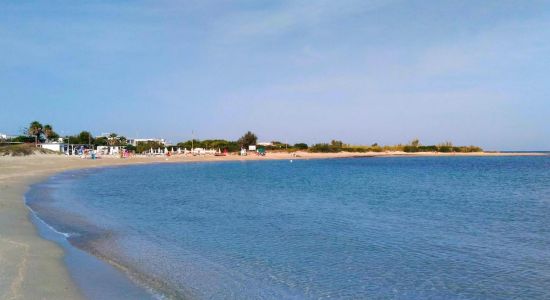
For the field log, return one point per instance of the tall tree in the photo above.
(113, 139)
(53, 136)
(248, 139)
(35, 129)
(47, 129)
(122, 141)
(49, 133)
(85, 137)
(101, 141)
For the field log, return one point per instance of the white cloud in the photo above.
(292, 15)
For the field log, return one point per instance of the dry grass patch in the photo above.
(23, 150)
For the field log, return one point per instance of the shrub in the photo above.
(23, 139)
(431, 148)
(301, 146)
(146, 146)
(445, 148)
(409, 148)
(323, 147)
(376, 148)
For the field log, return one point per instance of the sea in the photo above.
(353, 228)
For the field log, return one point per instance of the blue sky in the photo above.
(472, 72)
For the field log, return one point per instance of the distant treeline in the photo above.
(234, 146)
(414, 146)
(246, 140)
(36, 132)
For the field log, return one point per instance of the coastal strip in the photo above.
(32, 267)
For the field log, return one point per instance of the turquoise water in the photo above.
(406, 228)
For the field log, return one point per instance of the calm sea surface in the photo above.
(406, 228)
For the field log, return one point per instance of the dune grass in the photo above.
(22, 150)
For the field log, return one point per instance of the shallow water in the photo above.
(410, 228)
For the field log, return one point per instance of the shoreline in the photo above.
(32, 267)
(93, 276)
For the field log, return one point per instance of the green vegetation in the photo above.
(22, 139)
(86, 138)
(83, 137)
(334, 146)
(49, 133)
(248, 139)
(35, 129)
(146, 146)
(38, 132)
(443, 147)
(413, 146)
(116, 140)
(300, 146)
(100, 141)
(231, 146)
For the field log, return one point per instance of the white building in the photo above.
(57, 147)
(134, 142)
(68, 149)
(109, 150)
(4, 136)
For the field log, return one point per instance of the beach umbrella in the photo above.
(158, 150)
(165, 150)
(151, 151)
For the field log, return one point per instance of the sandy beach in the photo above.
(32, 268)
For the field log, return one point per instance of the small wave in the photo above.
(34, 214)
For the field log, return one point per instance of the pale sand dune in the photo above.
(31, 267)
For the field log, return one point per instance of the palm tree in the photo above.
(35, 129)
(113, 140)
(122, 141)
(48, 131)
